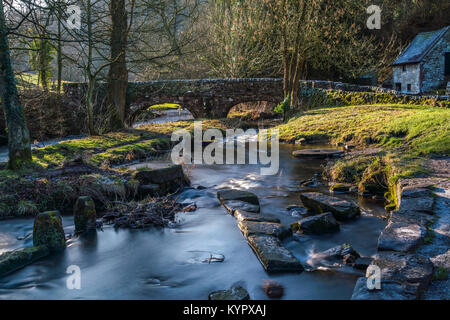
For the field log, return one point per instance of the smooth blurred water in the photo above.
(168, 263)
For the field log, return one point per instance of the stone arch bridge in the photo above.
(211, 98)
(207, 98)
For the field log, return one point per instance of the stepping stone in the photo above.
(320, 224)
(234, 205)
(250, 228)
(390, 290)
(15, 260)
(401, 237)
(340, 187)
(234, 293)
(272, 255)
(405, 268)
(341, 209)
(233, 194)
(233, 200)
(317, 153)
(255, 217)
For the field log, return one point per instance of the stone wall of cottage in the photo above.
(433, 66)
(408, 75)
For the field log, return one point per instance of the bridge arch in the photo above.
(211, 98)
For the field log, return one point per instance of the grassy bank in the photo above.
(397, 139)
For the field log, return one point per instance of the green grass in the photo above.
(164, 106)
(406, 134)
(26, 80)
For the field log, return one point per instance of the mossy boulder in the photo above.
(48, 231)
(340, 187)
(84, 214)
(169, 179)
(234, 293)
(319, 224)
(14, 260)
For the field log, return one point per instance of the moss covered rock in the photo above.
(48, 231)
(234, 293)
(14, 260)
(84, 214)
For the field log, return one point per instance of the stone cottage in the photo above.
(425, 63)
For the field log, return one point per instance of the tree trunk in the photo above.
(90, 107)
(118, 73)
(18, 134)
(59, 51)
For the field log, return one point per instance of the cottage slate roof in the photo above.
(420, 46)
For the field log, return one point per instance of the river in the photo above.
(169, 263)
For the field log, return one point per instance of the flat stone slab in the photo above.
(390, 290)
(15, 260)
(404, 268)
(401, 237)
(319, 224)
(233, 194)
(341, 209)
(317, 153)
(255, 217)
(234, 293)
(250, 228)
(424, 204)
(233, 205)
(273, 256)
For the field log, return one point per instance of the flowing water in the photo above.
(170, 263)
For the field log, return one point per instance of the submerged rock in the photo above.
(343, 254)
(15, 260)
(255, 217)
(273, 289)
(250, 228)
(84, 214)
(48, 231)
(317, 153)
(272, 255)
(233, 199)
(236, 292)
(319, 224)
(362, 263)
(319, 203)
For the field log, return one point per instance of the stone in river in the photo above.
(256, 217)
(317, 153)
(272, 255)
(169, 179)
(17, 259)
(233, 194)
(233, 200)
(236, 292)
(250, 228)
(362, 263)
(319, 224)
(84, 214)
(390, 290)
(319, 203)
(401, 236)
(405, 268)
(233, 205)
(48, 231)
